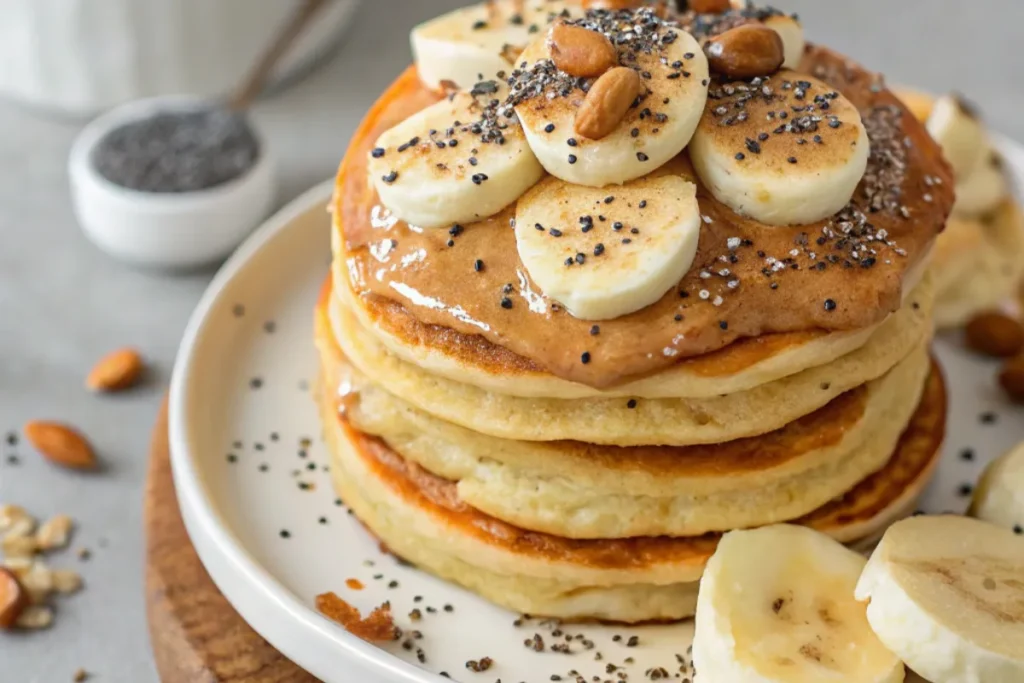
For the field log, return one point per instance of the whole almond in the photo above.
(116, 371)
(607, 102)
(13, 599)
(994, 334)
(710, 6)
(745, 52)
(60, 444)
(1011, 379)
(581, 52)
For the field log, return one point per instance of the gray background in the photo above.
(63, 304)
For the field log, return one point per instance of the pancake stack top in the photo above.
(640, 279)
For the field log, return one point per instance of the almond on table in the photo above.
(61, 444)
(117, 371)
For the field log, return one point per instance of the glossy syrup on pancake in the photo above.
(748, 280)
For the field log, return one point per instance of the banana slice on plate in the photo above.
(946, 594)
(603, 253)
(475, 43)
(955, 125)
(983, 190)
(919, 103)
(673, 71)
(457, 161)
(999, 496)
(783, 150)
(776, 605)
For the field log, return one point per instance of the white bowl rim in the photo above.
(193, 494)
(80, 162)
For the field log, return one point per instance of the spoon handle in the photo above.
(253, 84)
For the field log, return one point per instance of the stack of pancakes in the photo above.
(468, 437)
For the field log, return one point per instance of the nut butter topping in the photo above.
(747, 279)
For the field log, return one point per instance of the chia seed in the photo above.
(175, 152)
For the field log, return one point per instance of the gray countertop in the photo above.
(63, 304)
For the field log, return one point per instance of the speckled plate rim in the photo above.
(290, 625)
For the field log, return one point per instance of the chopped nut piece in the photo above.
(13, 599)
(55, 533)
(35, 617)
(377, 626)
(19, 546)
(80, 676)
(14, 519)
(66, 581)
(18, 565)
(38, 582)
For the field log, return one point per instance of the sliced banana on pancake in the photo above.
(784, 150)
(956, 127)
(947, 596)
(776, 605)
(457, 161)
(674, 74)
(983, 190)
(475, 43)
(787, 26)
(999, 497)
(919, 103)
(603, 253)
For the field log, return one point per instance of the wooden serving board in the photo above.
(197, 637)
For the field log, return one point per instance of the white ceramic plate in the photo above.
(240, 408)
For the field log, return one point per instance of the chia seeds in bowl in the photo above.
(178, 151)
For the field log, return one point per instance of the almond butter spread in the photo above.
(747, 279)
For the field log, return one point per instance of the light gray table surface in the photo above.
(63, 303)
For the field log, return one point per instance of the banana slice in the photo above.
(787, 150)
(999, 497)
(983, 190)
(947, 596)
(787, 26)
(919, 103)
(776, 606)
(475, 43)
(602, 269)
(792, 33)
(457, 161)
(956, 127)
(651, 133)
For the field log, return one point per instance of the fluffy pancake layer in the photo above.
(624, 422)
(581, 490)
(422, 518)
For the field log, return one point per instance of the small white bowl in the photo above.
(165, 230)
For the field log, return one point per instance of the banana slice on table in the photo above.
(983, 190)
(602, 269)
(947, 596)
(956, 127)
(674, 74)
(457, 161)
(784, 150)
(999, 496)
(475, 43)
(776, 605)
